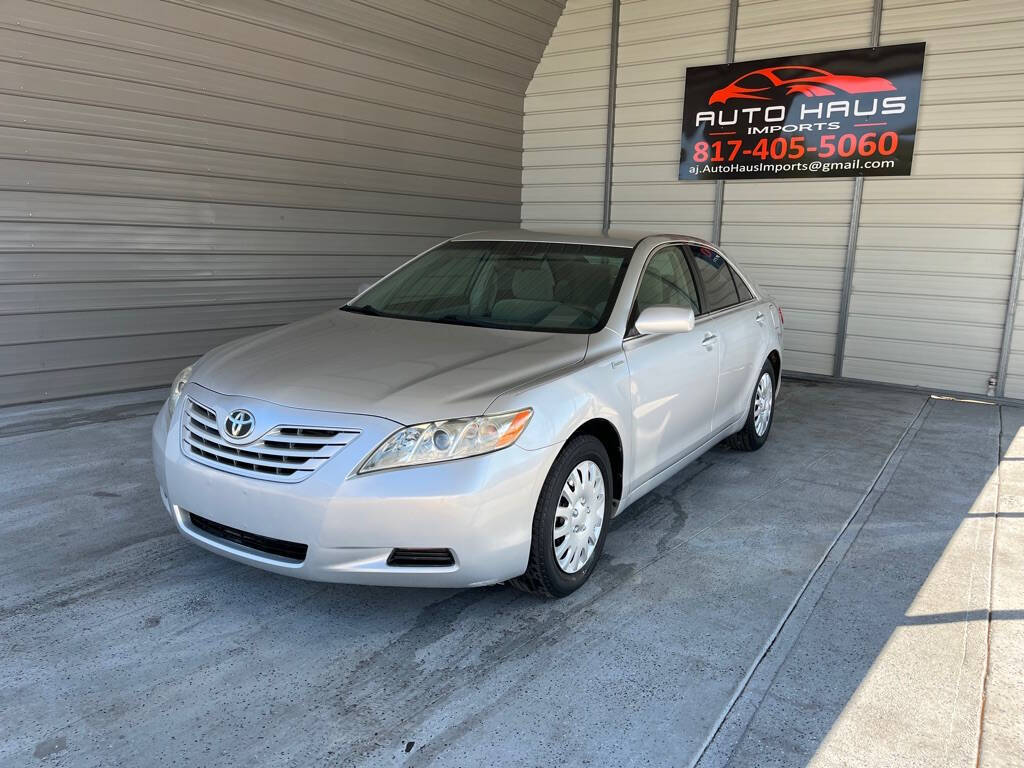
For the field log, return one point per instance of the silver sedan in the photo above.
(477, 416)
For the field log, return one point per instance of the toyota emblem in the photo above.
(239, 424)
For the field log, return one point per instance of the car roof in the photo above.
(529, 236)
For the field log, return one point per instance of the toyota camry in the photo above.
(477, 416)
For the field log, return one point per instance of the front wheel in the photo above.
(760, 414)
(571, 520)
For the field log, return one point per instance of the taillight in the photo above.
(782, 320)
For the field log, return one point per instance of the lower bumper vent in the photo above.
(421, 558)
(288, 550)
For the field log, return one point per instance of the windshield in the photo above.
(529, 286)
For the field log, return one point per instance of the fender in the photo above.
(598, 388)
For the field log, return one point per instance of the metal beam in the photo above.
(1011, 307)
(848, 265)
(876, 23)
(613, 78)
(851, 239)
(730, 55)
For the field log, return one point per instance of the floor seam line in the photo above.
(917, 420)
(964, 641)
(991, 591)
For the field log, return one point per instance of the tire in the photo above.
(748, 438)
(544, 575)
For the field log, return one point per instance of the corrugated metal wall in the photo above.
(934, 250)
(564, 127)
(175, 174)
(658, 40)
(792, 234)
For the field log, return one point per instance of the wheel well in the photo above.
(776, 361)
(605, 431)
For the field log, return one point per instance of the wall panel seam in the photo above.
(393, 10)
(507, 28)
(184, 172)
(292, 33)
(556, 5)
(270, 204)
(137, 307)
(208, 93)
(514, 134)
(210, 66)
(197, 6)
(252, 153)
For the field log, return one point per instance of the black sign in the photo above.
(845, 113)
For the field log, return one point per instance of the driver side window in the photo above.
(667, 281)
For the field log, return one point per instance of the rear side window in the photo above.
(741, 287)
(719, 287)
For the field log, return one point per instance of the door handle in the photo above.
(759, 318)
(709, 340)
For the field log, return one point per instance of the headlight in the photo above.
(179, 384)
(444, 440)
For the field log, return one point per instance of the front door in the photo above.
(733, 317)
(674, 377)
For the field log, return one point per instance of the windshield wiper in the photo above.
(460, 320)
(365, 309)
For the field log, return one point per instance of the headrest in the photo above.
(584, 284)
(534, 281)
(481, 297)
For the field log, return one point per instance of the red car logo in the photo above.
(772, 82)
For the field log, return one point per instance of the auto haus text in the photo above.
(819, 117)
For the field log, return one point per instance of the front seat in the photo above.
(483, 293)
(584, 286)
(533, 295)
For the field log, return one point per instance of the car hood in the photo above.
(403, 370)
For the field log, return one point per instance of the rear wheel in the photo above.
(760, 414)
(571, 520)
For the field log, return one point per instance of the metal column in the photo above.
(730, 55)
(613, 77)
(851, 241)
(1011, 307)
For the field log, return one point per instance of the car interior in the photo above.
(543, 286)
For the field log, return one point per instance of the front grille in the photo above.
(420, 558)
(288, 550)
(285, 453)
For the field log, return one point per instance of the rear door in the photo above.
(673, 377)
(730, 316)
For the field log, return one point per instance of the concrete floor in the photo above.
(851, 595)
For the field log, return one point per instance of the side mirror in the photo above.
(662, 320)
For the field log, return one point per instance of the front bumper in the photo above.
(480, 508)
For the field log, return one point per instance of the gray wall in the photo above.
(176, 174)
(935, 249)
